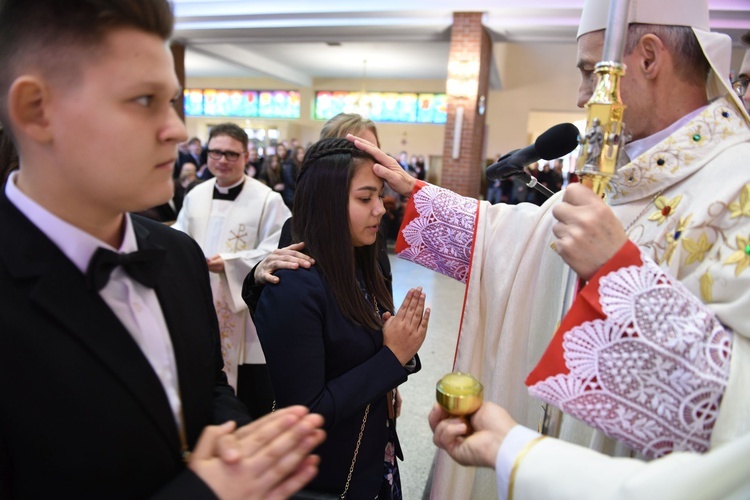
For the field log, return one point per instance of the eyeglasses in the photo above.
(740, 86)
(216, 154)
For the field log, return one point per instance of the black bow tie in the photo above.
(143, 266)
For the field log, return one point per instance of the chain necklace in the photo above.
(645, 209)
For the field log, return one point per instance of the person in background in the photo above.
(420, 168)
(282, 152)
(520, 191)
(182, 152)
(271, 173)
(254, 162)
(110, 370)
(329, 332)
(413, 165)
(187, 180)
(194, 153)
(740, 83)
(403, 160)
(556, 176)
(289, 172)
(493, 185)
(167, 212)
(237, 222)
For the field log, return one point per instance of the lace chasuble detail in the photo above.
(653, 373)
(441, 235)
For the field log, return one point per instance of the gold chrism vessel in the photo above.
(459, 394)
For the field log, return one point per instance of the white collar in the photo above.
(75, 243)
(637, 148)
(225, 189)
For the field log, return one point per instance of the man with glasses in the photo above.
(237, 222)
(743, 79)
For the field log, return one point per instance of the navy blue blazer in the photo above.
(318, 358)
(82, 412)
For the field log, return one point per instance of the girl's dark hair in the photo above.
(320, 218)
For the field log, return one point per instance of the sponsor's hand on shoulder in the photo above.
(290, 257)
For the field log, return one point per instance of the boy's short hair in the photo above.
(231, 130)
(55, 35)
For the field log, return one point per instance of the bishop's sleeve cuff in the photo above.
(410, 213)
(516, 442)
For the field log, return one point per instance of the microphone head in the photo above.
(557, 141)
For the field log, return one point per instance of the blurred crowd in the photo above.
(276, 166)
(515, 190)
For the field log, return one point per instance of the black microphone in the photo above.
(554, 143)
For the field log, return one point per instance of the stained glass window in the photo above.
(193, 102)
(432, 108)
(242, 103)
(278, 104)
(405, 107)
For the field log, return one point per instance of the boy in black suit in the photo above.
(110, 368)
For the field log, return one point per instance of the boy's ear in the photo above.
(28, 99)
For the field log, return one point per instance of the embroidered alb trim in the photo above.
(679, 155)
(441, 236)
(652, 374)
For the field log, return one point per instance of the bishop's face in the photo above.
(634, 93)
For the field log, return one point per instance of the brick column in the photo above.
(468, 80)
(178, 54)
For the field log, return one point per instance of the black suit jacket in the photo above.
(318, 358)
(82, 413)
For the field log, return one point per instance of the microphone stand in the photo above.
(510, 171)
(533, 182)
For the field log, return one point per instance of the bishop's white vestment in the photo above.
(685, 204)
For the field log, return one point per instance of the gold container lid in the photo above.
(459, 393)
